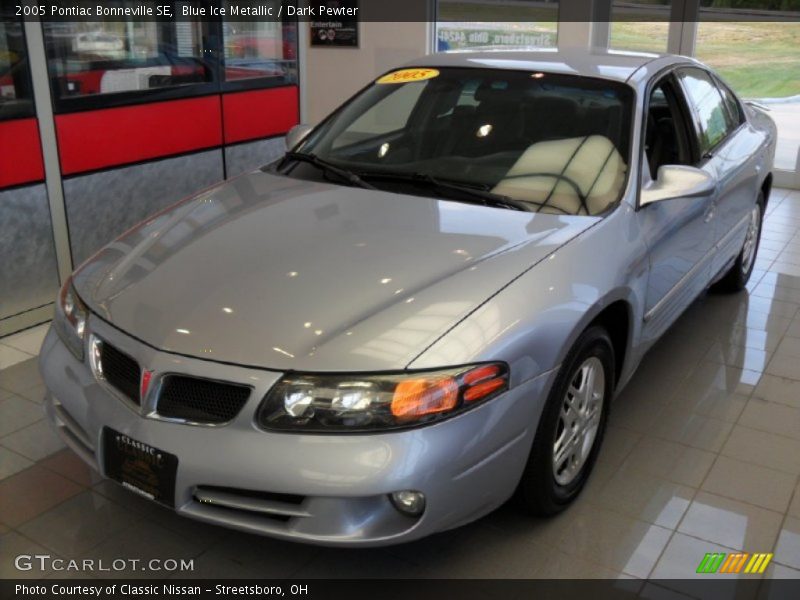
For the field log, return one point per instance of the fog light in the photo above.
(409, 502)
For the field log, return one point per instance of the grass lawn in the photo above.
(758, 59)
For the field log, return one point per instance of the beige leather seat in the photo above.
(576, 176)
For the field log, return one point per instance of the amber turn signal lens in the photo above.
(483, 389)
(416, 398)
(480, 373)
(483, 381)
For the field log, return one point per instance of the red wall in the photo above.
(110, 137)
(21, 157)
(259, 113)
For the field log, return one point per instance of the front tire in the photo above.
(571, 427)
(739, 274)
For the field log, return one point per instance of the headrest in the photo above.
(491, 90)
(560, 171)
(564, 106)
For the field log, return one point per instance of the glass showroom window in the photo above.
(260, 50)
(760, 60)
(469, 24)
(96, 64)
(15, 88)
(640, 26)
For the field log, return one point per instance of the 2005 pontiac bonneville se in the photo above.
(425, 307)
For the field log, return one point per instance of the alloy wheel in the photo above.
(578, 420)
(751, 239)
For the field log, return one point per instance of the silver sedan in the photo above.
(424, 308)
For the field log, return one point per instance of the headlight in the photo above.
(325, 403)
(70, 321)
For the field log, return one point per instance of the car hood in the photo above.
(280, 273)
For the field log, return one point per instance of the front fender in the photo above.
(532, 323)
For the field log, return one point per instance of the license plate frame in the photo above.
(140, 467)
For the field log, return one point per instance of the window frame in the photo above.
(27, 107)
(254, 83)
(683, 109)
(669, 23)
(213, 58)
(687, 118)
(705, 154)
(435, 16)
(726, 89)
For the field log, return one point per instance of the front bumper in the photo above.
(325, 489)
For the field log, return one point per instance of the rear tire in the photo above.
(570, 430)
(735, 280)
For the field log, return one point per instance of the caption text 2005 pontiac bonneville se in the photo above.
(424, 308)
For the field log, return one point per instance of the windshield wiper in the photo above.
(467, 192)
(327, 167)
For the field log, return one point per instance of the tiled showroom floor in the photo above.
(702, 455)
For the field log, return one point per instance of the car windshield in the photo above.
(536, 141)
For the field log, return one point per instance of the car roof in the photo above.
(595, 62)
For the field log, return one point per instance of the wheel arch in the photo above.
(616, 319)
(766, 188)
(615, 313)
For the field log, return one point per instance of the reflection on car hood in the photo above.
(281, 273)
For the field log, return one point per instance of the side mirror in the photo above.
(678, 181)
(296, 135)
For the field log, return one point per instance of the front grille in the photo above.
(201, 400)
(120, 371)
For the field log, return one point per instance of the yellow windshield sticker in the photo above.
(408, 75)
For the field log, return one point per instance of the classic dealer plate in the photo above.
(140, 467)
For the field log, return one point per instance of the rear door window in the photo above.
(735, 113)
(711, 115)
